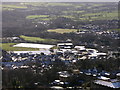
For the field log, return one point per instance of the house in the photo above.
(64, 76)
(105, 83)
(56, 88)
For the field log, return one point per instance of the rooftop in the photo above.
(31, 45)
(108, 83)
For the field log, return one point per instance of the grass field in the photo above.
(68, 16)
(45, 19)
(14, 6)
(37, 39)
(62, 30)
(69, 12)
(37, 16)
(9, 47)
(9, 9)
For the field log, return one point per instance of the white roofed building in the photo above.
(80, 47)
(32, 45)
(65, 45)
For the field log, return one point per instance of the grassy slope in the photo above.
(37, 39)
(37, 16)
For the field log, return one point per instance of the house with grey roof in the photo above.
(104, 83)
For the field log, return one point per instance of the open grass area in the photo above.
(45, 19)
(37, 16)
(9, 9)
(68, 16)
(9, 47)
(37, 39)
(69, 12)
(62, 30)
(91, 14)
(14, 6)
